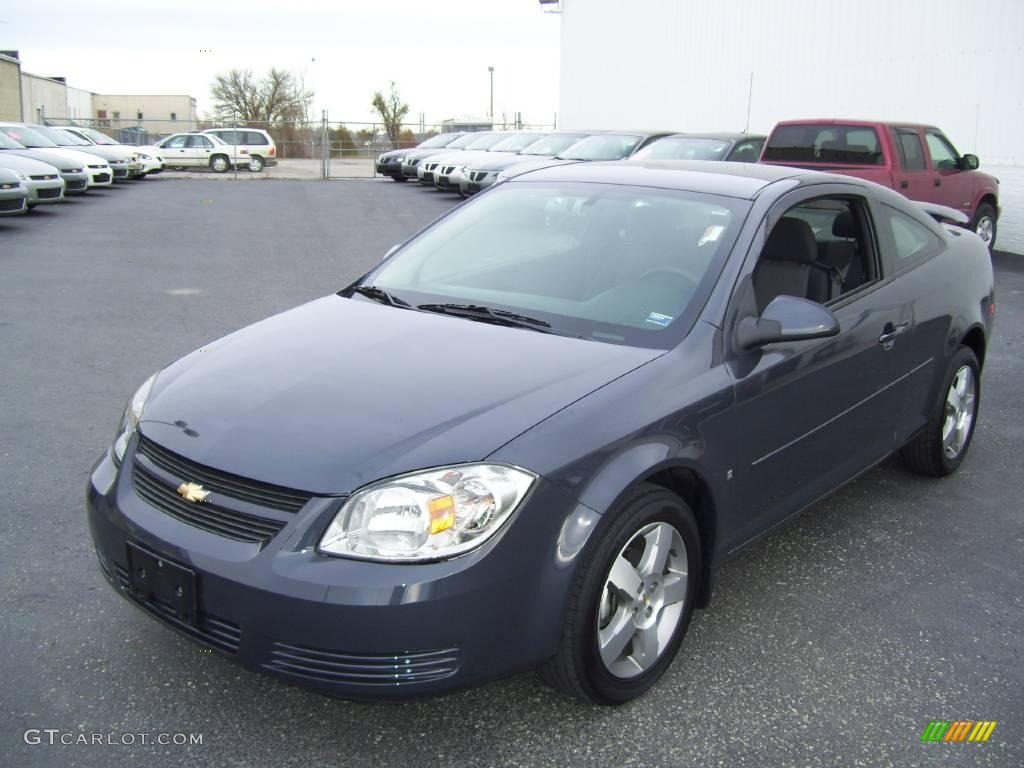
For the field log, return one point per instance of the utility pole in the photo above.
(491, 113)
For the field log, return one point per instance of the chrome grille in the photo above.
(398, 669)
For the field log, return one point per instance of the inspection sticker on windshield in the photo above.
(711, 234)
(657, 318)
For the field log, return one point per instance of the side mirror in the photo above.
(969, 162)
(391, 250)
(787, 318)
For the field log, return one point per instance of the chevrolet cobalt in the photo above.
(528, 437)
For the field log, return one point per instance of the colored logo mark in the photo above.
(958, 730)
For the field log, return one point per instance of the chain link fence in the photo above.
(337, 149)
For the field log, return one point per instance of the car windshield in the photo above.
(684, 149)
(61, 138)
(6, 142)
(604, 262)
(516, 142)
(602, 147)
(488, 141)
(96, 136)
(551, 145)
(27, 136)
(464, 141)
(441, 140)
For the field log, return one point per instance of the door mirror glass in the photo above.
(787, 318)
(969, 162)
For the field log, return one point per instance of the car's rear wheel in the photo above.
(219, 164)
(943, 445)
(631, 600)
(255, 163)
(984, 225)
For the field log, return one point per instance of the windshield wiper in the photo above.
(379, 294)
(487, 314)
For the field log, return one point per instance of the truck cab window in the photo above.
(910, 149)
(944, 157)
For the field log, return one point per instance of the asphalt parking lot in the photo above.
(832, 643)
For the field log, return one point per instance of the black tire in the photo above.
(577, 668)
(255, 163)
(399, 178)
(220, 164)
(925, 453)
(986, 214)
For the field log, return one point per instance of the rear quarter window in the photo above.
(254, 137)
(912, 241)
(820, 143)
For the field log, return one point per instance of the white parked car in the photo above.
(71, 166)
(121, 160)
(148, 158)
(256, 145)
(197, 150)
(13, 193)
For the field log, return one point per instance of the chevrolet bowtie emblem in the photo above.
(192, 492)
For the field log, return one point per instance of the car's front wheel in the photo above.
(219, 164)
(984, 225)
(631, 600)
(942, 446)
(255, 163)
(399, 178)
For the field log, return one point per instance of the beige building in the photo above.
(10, 86)
(43, 98)
(155, 113)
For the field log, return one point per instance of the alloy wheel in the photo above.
(956, 428)
(985, 229)
(642, 600)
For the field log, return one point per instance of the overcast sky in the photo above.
(436, 51)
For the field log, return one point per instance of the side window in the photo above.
(199, 142)
(175, 142)
(745, 152)
(913, 242)
(255, 137)
(820, 250)
(911, 151)
(944, 157)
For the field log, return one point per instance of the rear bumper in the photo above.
(354, 629)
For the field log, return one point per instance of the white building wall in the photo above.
(79, 104)
(42, 98)
(687, 64)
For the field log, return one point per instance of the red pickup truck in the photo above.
(917, 160)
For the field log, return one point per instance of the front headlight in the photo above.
(431, 515)
(141, 156)
(397, 159)
(130, 419)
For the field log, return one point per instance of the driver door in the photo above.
(811, 414)
(198, 151)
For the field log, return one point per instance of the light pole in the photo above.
(491, 113)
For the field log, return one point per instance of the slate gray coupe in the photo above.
(529, 436)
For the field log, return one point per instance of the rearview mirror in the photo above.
(969, 162)
(787, 318)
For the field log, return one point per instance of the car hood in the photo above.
(25, 163)
(107, 152)
(59, 158)
(499, 161)
(431, 152)
(340, 392)
(535, 165)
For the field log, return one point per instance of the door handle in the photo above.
(904, 184)
(938, 182)
(890, 333)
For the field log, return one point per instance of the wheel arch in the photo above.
(974, 339)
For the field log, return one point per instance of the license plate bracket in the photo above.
(155, 579)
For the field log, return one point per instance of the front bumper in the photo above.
(75, 183)
(354, 629)
(476, 181)
(13, 201)
(425, 172)
(388, 168)
(409, 168)
(101, 175)
(41, 191)
(447, 178)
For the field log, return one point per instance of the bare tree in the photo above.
(276, 97)
(392, 110)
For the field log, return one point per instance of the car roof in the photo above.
(714, 177)
(841, 121)
(719, 135)
(646, 133)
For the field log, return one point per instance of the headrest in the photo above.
(791, 240)
(844, 225)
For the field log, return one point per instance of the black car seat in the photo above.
(844, 253)
(788, 266)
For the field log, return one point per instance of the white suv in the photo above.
(256, 145)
